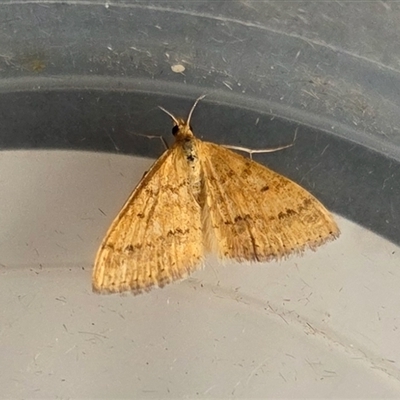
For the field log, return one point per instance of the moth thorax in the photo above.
(190, 151)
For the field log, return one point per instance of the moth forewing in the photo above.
(157, 237)
(257, 214)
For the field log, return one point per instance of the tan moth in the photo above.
(200, 198)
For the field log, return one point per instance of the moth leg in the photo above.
(257, 151)
(154, 137)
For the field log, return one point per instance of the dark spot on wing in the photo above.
(178, 231)
(288, 213)
(129, 249)
(240, 218)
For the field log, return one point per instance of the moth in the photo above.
(200, 198)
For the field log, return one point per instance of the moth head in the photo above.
(182, 128)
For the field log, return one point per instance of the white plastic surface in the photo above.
(325, 325)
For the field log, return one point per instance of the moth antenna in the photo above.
(194, 106)
(168, 113)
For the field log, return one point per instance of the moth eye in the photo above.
(175, 130)
(190, 126)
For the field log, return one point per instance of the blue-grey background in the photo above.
(79, 79)
(85, 75)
